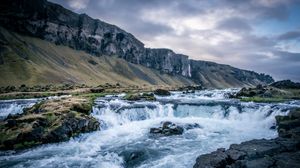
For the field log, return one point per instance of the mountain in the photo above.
(32, 61)
(25, 19)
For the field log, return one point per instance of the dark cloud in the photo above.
(291, 35)
(235, 25)
(224, 31)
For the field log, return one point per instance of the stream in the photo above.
(124, 139)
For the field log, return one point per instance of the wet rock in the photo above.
(162, 92)
(167, 129)
(273, 127)
(191, 126)
(190, 89)
(214, 159)
(133, 157)
(280, 152)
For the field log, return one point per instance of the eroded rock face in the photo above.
(47, 122)
(283, 151)
(54, 23)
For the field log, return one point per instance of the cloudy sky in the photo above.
(259, 35)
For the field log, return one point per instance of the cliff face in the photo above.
(54, 23)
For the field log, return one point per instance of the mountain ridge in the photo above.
(54, 23)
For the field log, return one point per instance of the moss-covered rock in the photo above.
(47, 122)
(140, 96)
(267, 94)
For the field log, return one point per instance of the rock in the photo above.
(143, 96)
(289, 124)
(288, 160)
(11, 123)
(262, 93)
(294, 114)
(47, 122)
(133, 157)
(280, 152)
(162, 92)
(212, 160)
(191, 88)
(97, 90)
(286, 84)
(273, 127)
(167, 129)
(191, 126)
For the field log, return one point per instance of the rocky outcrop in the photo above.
(47, 122)
(283, 152)
(54, 23)
(269, 93)
(286, 84)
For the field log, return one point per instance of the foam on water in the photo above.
(125, 128)
(14, 106)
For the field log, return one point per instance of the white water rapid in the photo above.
(124, 139)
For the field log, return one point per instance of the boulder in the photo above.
(167, 129)
(162, 92)
(133, 158)
(191, 126)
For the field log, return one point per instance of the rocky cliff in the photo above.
(56, 24)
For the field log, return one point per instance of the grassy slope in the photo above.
(31, 61)
(221, 76)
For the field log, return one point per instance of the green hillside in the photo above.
(32, 61)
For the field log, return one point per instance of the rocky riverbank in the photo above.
(276, 92)
(47, 122)
(282, 152)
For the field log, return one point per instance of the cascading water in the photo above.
(125, 141)
(14, 106)
(17, 105)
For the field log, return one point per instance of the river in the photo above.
(124, 139)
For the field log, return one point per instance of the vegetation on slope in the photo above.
(277, 92)
(32, 61)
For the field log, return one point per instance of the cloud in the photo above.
(78, 4)
(291, 35)
(235, 25)
(224, 31)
